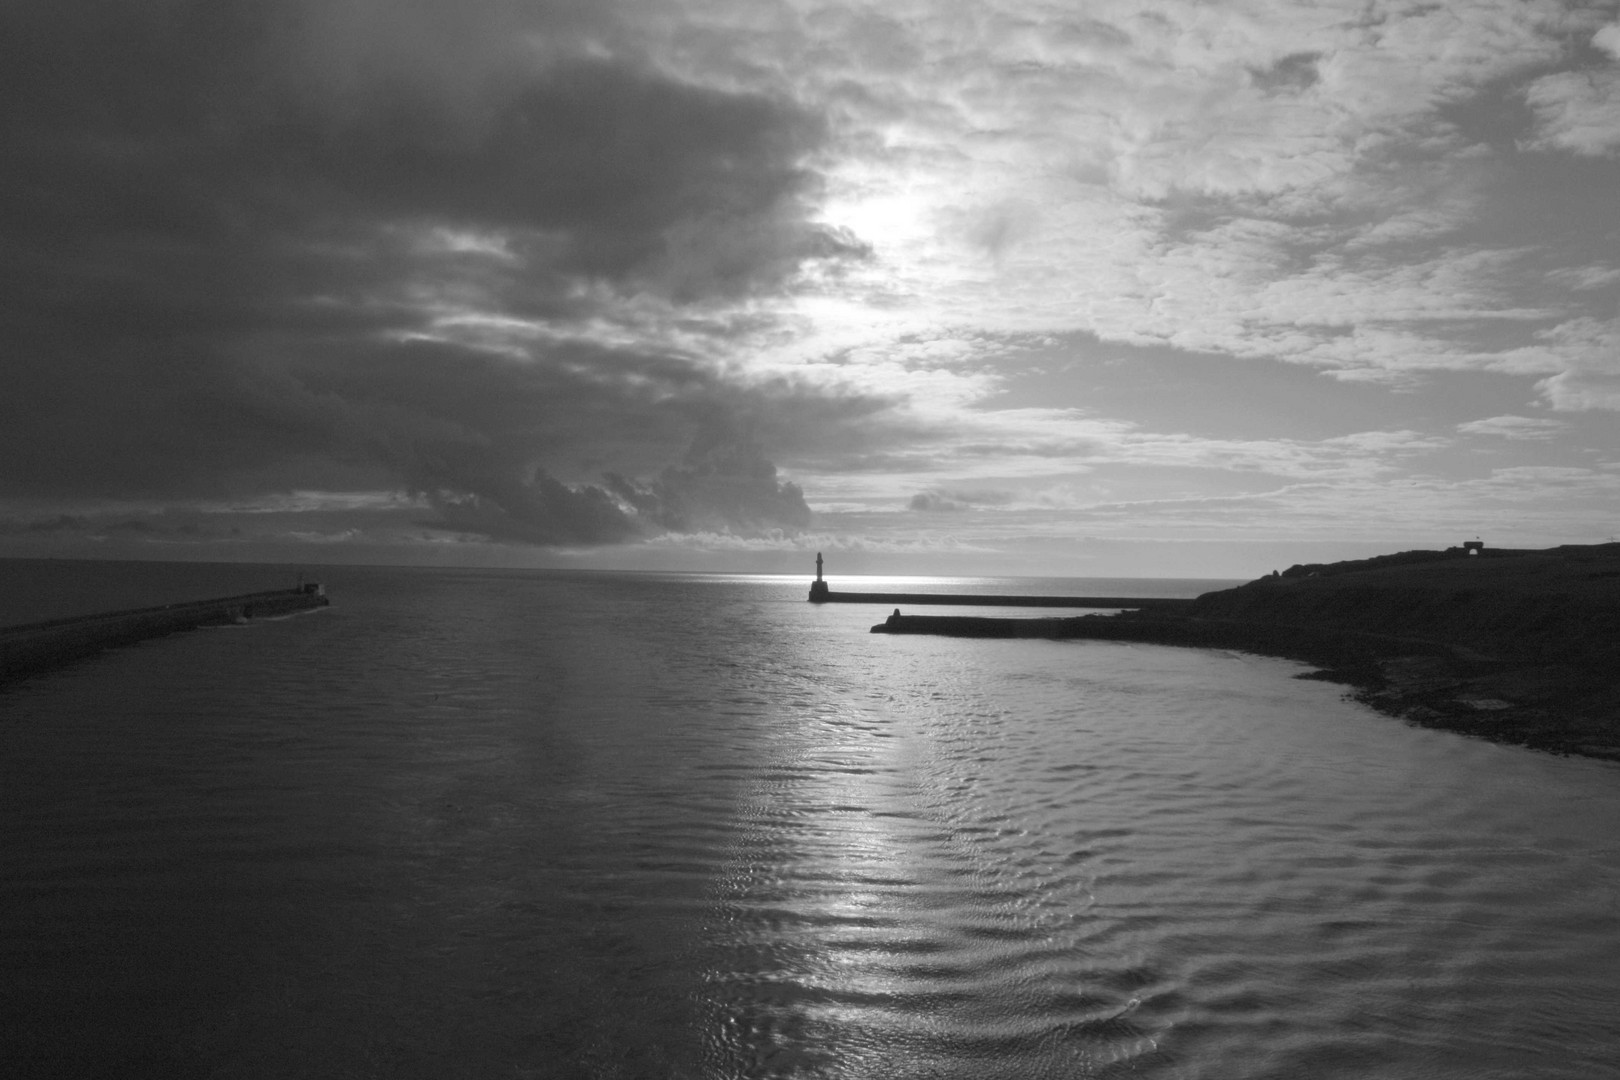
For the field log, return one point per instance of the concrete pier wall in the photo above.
(35, 647)
(826, 596)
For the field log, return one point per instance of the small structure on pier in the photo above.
(818, 587)
(1473, 547)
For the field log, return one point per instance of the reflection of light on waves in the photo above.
(811, 896)
(897, 899)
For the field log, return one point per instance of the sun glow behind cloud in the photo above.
(892, 223)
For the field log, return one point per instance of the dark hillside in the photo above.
(1558, 605)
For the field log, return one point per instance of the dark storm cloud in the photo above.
(725, 481)
(226, 230)
(464, 428)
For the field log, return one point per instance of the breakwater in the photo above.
(1522, 650)
(1316, 642)
(1138, 603)
(34, 647)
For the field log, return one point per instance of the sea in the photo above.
(536, 824)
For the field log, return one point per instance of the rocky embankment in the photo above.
(1519, 647)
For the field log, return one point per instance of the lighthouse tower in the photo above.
(818, 587)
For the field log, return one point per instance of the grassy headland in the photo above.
(1519, 647)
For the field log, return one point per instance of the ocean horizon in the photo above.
(38, 589)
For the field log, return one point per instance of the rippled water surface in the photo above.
(495, 824)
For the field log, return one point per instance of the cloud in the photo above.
(1577, 112)
(1512, 506)
(1246, 181)
(539, 511)
(1586, 278)
(1608, 39)
(1581, 391)
(466, 429)
(163, 527)
(1514, 427)
(341, 245)
(929, 502)
(954, 500)
(725, 484)
(1589, 351)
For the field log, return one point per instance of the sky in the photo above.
(1099, 288)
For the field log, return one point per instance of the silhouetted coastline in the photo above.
(1519, 647)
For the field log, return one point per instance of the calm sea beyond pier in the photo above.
(523, 824)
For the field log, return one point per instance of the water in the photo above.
(495, 824)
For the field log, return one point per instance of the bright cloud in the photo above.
(1513, 427)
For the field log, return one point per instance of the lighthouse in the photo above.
(818, 587)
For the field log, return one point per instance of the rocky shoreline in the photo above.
(1521, 647)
